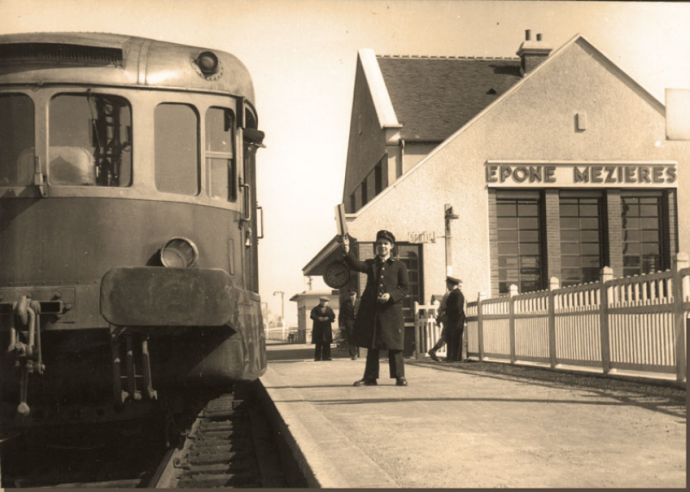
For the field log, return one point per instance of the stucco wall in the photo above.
(533, 121)
(415, 152)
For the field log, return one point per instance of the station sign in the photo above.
(581, 175)
(421, 237)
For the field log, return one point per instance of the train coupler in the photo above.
(25, 322)
(130, 390)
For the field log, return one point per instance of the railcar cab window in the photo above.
(16, 140)
(220, 156)
(176, 130)
(90, 140)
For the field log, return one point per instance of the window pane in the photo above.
(16, 140)
(507, 235)
(570, 261)
(649, 223)
(650, 236)
(570, 223)
(507, 261)
(650, 249)
(505, 209)
(591, 261)
(649, 211)
(631, 249)
(528, 210)
(589, 249)
(528, 223)
(570, 248)
(507, 223)
(632, 235)
(219, 130)
(89, 140)
(570, 235)
(529, 248)
(568, 210)
(631, 223)
(590, 223)
(529, 236)
(530, 261)
(631, 261)
(507, 248)
(222, 178)
(589, 211)
(176, 147)
(631, 210)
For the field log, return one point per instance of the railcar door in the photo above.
(252, 140)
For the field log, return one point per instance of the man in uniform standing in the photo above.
(321, 334)
(380, 323)
(455, 313)
(346, 320)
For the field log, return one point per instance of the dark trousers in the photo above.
(395, 363)
(352, 349)
(455, 343)
(322, 351)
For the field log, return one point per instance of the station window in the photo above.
(90, 140)
(643, 239)
(16, 140)
(410, 255)
(220, 156)
(519, 244)
(176, 137)
(581, 241)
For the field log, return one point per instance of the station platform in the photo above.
(473, 425)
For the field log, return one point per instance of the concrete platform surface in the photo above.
(475, 425)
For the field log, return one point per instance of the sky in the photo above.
(302, 57)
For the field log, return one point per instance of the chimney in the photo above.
(532, 53)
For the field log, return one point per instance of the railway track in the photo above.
(228, 444)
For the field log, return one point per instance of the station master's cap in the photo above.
(324, 298)
(388, 236)
(453, 280)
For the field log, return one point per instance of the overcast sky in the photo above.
(302, 56)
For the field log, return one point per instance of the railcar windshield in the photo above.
(16, 140)
(90, 140)
(176, 130)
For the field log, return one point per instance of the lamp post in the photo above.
(449, 215)
(282, 309)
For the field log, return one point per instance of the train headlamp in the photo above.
(207, 63)
(179, 252)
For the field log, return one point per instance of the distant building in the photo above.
(306, 301)
(556, 164)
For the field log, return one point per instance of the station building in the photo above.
(555, 162)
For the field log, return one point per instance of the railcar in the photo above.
(128, 226)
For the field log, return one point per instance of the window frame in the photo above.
(231, 156)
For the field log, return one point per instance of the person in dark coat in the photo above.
(455, 314)
(346, 320)
(380, 323)
(321, 334)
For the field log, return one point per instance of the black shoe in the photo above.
(432, 354)
(401, 382)
(365, 382)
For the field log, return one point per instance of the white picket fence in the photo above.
(427, 331)
(634, 323)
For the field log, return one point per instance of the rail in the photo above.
(634, 323)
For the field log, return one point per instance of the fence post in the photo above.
(417, 335)
(554, 284)
(679, 262)
(605, 276)
(480, 325)
(511, 321)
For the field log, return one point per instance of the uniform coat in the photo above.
(347, 315)
(380, 325)
(321, 332)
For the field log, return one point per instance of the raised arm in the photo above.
(352, 262)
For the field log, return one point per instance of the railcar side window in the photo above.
(90, 140)
(177, 148)
(220, 155)
(16, 140)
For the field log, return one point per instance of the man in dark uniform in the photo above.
(321, 334)
(455, 313)
(346, 320)
(380, 324)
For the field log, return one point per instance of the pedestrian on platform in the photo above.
(455, 313)
(322, 335)
(346, 320)
(380, 323)
(442, 320)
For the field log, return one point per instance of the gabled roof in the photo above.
(433, 97)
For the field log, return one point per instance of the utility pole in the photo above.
(282, 309)
(449, 215)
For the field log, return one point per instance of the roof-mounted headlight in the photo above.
(207, 63)
(179, 252)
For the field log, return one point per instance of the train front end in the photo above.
(128, 226)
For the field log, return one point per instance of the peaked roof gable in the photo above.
(578, 38)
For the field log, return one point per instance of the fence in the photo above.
(427, 331)
(634, 323)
